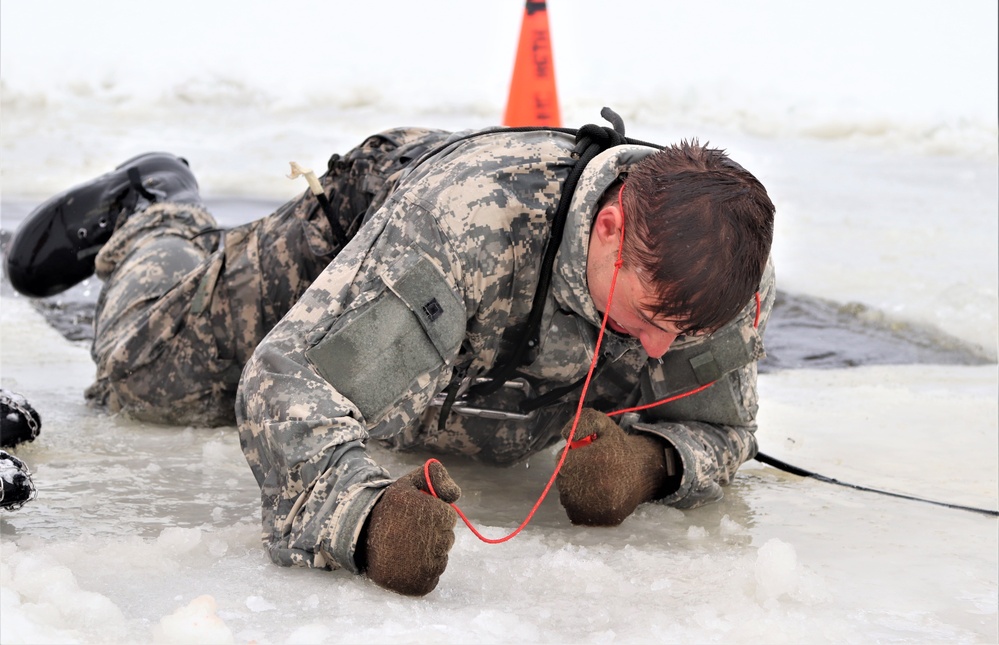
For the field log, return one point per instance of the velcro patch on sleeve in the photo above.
(686, 368)
(437, 308)
(412, 328)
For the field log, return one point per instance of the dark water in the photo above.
(803, 332)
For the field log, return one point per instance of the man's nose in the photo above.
(657, 343)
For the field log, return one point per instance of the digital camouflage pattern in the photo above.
(470, 224)
(344, 344)
(184, 304)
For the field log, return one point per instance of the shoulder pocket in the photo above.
(415, 326)
(720, 358)
(686, 368)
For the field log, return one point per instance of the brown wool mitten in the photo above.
(603, 482)
(410, 532)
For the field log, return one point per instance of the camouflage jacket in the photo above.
(437, 284)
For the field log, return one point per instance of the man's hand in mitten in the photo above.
(410, 532)
(603, 481)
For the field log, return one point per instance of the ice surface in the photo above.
(872, 125)
(143, 533)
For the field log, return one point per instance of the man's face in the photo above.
(629, 311)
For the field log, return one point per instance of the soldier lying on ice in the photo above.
(443, 325)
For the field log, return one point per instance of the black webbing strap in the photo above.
(591, 140)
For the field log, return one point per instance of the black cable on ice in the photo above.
(801, 472)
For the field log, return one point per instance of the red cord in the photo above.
(668, 399)
(579, 407)
(570, 444)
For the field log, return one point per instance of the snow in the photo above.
(872, 125)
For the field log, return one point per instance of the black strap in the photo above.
(339, 235)
(460, 372)
(607, 113)
(557, 393)
(591, 140)
(135, 180)
(801, 472)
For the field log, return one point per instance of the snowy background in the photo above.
(874, 127)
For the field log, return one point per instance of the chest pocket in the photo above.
(373, 355)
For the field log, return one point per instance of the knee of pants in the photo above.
(139, 283)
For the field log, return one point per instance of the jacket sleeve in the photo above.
(360, 354)
(713, 431)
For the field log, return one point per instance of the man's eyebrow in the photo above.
(652, 321)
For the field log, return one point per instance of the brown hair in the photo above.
(700, 227)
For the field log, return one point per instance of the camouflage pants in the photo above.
(184, 303)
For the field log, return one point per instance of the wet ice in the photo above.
(887, 202)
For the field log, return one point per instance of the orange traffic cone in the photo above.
(533, 99)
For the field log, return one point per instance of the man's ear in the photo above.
(607, 224)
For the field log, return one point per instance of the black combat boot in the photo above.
(18, 420)
(54, 247)
(16, 487)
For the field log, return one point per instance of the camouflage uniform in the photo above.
(436, 285)
(184, 304)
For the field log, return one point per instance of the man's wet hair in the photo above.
(699, 228)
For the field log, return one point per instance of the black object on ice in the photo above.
(54, 247)
(16, 487)
(801, 472)
(19, 422)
